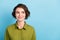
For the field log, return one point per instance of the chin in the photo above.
(20, 20)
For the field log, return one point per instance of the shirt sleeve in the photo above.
(7, 35)
(34, 36)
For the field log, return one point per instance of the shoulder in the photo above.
(9, 27)
(30, 27)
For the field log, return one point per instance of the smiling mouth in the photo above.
(20, 17)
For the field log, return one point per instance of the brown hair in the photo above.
(25, 9)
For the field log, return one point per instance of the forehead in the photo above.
(19, 9)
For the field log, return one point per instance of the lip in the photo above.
(20, 17)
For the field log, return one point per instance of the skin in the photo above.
(20, 16)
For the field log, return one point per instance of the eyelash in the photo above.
(22, 12)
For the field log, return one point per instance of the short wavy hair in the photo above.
(25, 9)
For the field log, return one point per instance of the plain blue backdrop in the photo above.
(45, 17)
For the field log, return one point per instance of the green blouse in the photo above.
(13, 33)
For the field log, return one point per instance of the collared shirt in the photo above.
(26, 33)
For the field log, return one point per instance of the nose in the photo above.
(20, 14)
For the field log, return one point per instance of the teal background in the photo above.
(45, 17)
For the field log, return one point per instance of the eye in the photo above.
(17, 12)
(23, 12)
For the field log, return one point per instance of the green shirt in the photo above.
(13, 33)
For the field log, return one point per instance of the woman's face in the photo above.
(20, 14)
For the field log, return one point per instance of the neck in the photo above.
(20, 24)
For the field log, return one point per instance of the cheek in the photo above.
(24, 16)
(16, 15)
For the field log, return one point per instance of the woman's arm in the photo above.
(34, 36)
(7, 35)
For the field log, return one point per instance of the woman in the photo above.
(20, 30)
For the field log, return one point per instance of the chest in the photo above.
(20, 34)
